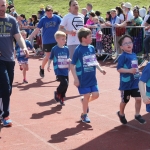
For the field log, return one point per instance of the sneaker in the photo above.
(140, 119)
(82, 101)
(85, 118)
(25, 81)
(122, 118)
(41, 72)
(7, 122)
(56, 98)
(62, 102)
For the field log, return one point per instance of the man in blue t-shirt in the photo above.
(83, 67)
(145, 79)
(8, 31)
(129, 78)
(49, 25)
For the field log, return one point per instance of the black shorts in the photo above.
(125, 95)
(48, 47)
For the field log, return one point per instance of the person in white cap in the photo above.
(128, 12)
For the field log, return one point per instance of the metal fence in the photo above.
(111, 36)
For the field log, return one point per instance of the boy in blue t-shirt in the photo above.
(83, 67)
(145, 78)
(129, 79)
(21, 56)
(61, 61)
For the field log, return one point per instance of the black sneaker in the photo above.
(41, 72)
(122, 118)
(25, 81)
(140, 119)
(56, 97)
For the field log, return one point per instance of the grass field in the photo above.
(29, 7)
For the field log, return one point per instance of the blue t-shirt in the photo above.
(127, 80)
(60, 57)
(146, 78)
(19, 52)
(49, 27)
(81, 58)
(8, 28)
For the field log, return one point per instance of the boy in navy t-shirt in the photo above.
(61, 61)
(129, 79)
(83, 67)
(145, 78)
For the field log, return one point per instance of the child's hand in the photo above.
(48, 68)
(103, 72)
(146, 100)
(76, 82)
(133, 70)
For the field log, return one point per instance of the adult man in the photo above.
(49, 24)
(70, 24)
(8, 30)
(89, 9)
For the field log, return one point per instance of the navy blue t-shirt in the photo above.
(60, 58)
(146, 78)
(49, 27)
(8, 28)
(127, 80)
(83, 58)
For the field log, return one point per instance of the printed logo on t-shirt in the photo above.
(50, 24)
(5, 28)
(90, 60)
(63, 62)
(77, 23)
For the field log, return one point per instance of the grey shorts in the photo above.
(71, 50)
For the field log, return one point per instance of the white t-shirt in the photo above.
(129, 16)
(72, 22)
(121, 16)
(143, 23)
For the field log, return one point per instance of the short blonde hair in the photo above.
(84, 9)
(113, 10)
(59, 34)
(95, 18)
(23, 32)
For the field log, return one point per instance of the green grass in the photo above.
(29, 7)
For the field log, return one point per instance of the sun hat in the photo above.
(127, 5)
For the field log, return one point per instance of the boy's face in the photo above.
(127, 45)
(24, 35)
(88, 39)
(61, 40)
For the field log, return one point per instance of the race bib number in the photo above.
(90, 60)
(63, 63)
(22, 52)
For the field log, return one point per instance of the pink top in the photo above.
(98, 36)
(89, 22)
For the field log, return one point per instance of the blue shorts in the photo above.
(22, 60)
(87, 90)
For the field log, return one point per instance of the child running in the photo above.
(60, 57)
(145, 79)
(83, 67)
(129, 79)
(21, 57)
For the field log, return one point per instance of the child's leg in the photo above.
(122, 108)
(93, 96)
(24, 71)
(85, 102)
(137, 105)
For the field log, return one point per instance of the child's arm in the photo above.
(146, 100)
(76, 80)
(49, 63)
(123, 70)
(101, 69)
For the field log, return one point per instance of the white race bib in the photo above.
(63, 63)
(90, 60)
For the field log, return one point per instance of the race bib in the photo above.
(22, 53)
(63, 63)
(90, 60)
